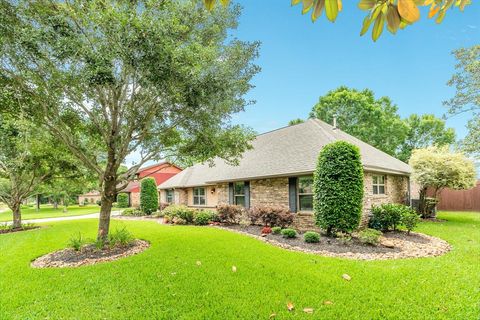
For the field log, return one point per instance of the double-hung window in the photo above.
(305, 193)
(239, 193)
(199, 198)
(378, 184)
(169, 195)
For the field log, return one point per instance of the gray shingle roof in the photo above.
(286, 151)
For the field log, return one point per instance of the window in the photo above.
(199, 196)
(305, 193)
(239, 193)
(378, 184)
(169, 194)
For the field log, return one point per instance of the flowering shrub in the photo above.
(270, 216)
(229, 213)
(266, 230)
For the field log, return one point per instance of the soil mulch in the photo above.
(393, 245)
(3, 231)
(88, 255)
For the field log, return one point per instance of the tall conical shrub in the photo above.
(148, 196)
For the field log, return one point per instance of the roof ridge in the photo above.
(318, 122)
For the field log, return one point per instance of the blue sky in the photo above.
(301, 61)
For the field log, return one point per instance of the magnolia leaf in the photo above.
(403, 24)
(225, 2)
(440, 16)
(308, 310)
(340, 5)
(393, 19)
(327, 302)
(307, 5)
(366, 24)
(295, 2)
(408, 10)
(209, 4)
(366, 4)
(433, 11)
(331, 9)
(290, 306)
(346, 276)
(234, 269)
(199, 263)
(273, 315)
(317, 10)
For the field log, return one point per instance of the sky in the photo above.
(301, 60)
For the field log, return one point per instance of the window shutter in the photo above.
(230, 193)
(292, 194)
(247, 194)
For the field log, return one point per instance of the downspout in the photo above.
(409, 192)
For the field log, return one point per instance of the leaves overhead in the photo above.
(397, 13)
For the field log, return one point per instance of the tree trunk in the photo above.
(55, 204)
(108, 197)
(38, 202)
(17, 216)
(422, 202)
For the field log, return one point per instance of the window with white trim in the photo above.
(239, 193)
(169, 195)
(378, 184)
(199, 198)
(305, 193)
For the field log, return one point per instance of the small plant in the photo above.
(311, 237)
(266, 230)
(344, 238)
(132, 212)
(389, 216)
(289, 233)
(122, 200)
(76, 242)
(180, 211)
(202, 218)
(410, 221)
(276, 230)
(120, 237)
(230, 214)
(270, 216)
(369, 236)
(99, 244)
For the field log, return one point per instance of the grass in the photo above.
(47, 211)
(165, 282)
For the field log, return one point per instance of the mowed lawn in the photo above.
(165, 281)
(47, 211)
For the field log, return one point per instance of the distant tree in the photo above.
(424, 131)
(392, 14)
(466, 81)
(158, 77)
(438, 168)
(295, 121)
(148, 196)
(358, 113)
(122, 200)
(338, 187)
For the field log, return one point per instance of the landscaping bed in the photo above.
(393, 245)
(88, 255)
(9, 229)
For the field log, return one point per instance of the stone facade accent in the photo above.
(269, 192)
(222, 193)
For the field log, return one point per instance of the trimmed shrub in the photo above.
(229, 213)
(369, 236)
(178, 220)
(179, 211)
(276, 230)
(389, 216)
(266, 230)
(410, 220)
(132, 212)
(122, 200)
(289, 233)
(202, 218)
(311, 237)
(148, 196)
(338, 188)
(271, 216)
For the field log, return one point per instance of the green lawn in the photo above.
(165, 282)
(47, 211)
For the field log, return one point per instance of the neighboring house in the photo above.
(89, 197)
(278, 172)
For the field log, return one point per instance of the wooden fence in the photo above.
(460, 200)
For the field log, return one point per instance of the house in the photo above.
(279, 170)
(161, 172)
(90, 197)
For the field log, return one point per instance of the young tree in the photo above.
(467, 97)
(438, 168)
(338, 187)
(358, 113)
(159, 77)
(148, 196)
(424, 131)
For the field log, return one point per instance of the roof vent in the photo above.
(334, 121)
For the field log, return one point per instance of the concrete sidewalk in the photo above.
(85, 216)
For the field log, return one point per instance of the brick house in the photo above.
(279, 170)
(89, 197)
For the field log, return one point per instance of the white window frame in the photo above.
(303, 194)
(198, 197)
(239, 195)
(376, 184)
(166, 195)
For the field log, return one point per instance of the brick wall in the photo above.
(269, 192)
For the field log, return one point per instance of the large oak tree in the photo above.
(161, 78)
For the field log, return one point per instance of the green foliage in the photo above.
(410, 220)
(369, 236)
(122, 200)
(389, 216)
(344, 238)
(120, 237)
(276, 230)
(338, 188)
(289, 233)
(133, 212)
(76, 242)
(148, 196)
(180, 211)
(203, 217)
(374, 121)
(295, 121)
(311, 237)
(99, 244)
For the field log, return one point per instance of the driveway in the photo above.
(85, 216)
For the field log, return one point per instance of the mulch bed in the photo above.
(88, 255)
(415, 245)
(2, 231)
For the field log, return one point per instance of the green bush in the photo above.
(230, 214)
(289, 233)
(132, 212)
(410, 220)
(338, 188)
(369, 236)
(270, 216)
(120, 237)
(179, 211)
(389, 216)
(148, 196)
(122, 200)
(276, 230)
(76, 242)
(311, 237)
(202, 218)
(344, 238)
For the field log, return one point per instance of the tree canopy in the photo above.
(295, 121)
(158, 77)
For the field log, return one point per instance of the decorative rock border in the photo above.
(432, 247)
(57, 259)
